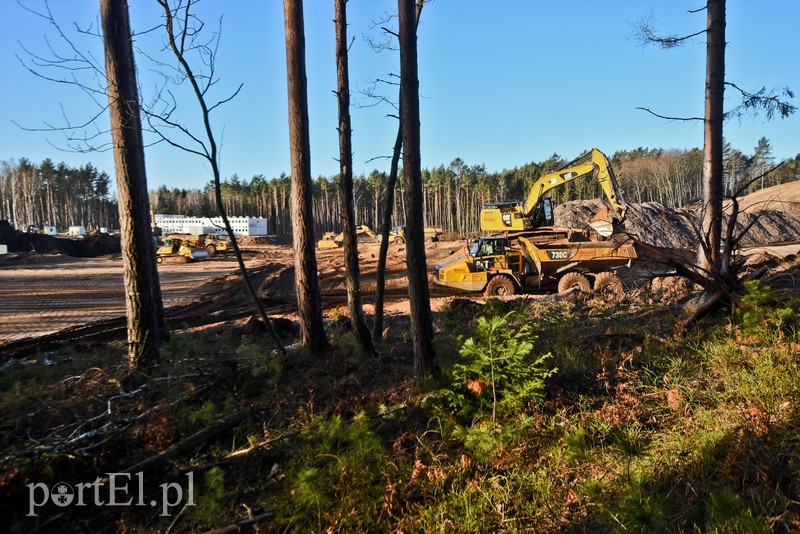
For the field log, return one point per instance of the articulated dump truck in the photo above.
(501, 265)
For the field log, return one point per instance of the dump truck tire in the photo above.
(573, 281)
(500, 286)
(211, 249)
(399, 240)
(159, 259)
(608, 283)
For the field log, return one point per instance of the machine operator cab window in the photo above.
(484, 252)
(543, 214)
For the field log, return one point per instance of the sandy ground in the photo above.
(42, 294)
(45, 294)
(48, 293)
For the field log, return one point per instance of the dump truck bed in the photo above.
(551, 259)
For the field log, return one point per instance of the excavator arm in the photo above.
(510, 217)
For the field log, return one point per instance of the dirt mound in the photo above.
(250, 240)
(654, 224)
(89, 246)
(776, 197)
(279, 283)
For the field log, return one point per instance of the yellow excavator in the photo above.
(537, 211)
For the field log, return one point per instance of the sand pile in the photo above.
(657, 225)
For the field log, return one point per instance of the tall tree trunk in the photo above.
(143, 302)
(353, 278)
(309, 301)
(709, 255)
(419, 296)
(380, 277)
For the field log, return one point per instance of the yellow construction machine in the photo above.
(334, 240)
(179, 246)
(500, 266)
(537, 211)
(212, 243)
(217, 244)
(398, 234)
(530, 253)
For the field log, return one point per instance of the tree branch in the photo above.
(770, 103)
(645, 33)
(648, 110)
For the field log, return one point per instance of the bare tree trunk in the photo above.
(352, 274)
(309, 301)
(709, 253)
(380, 277)
(419, 296)
(143, 304)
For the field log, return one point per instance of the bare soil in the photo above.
(47, 298)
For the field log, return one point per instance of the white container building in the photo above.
(183, 224)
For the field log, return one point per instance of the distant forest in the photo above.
(61, 196)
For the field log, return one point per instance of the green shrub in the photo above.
(759, 313)
(334, 472)
(213, 500)
(496, 374)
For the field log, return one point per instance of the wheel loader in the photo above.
(217, 244)
(334, 240)
(398, 234)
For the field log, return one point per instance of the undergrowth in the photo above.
(550, 416)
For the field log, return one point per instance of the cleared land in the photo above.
(45, 293)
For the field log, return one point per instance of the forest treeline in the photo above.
(56, 195)
(61, 196)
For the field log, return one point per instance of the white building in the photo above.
(183, 224)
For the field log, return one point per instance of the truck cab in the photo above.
(488, 257)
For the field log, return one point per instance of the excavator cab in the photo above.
(543, 213)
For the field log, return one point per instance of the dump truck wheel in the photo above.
(608, 283)
(500, 286)
(211, 250)
(159, 259)
(573, 281)
(399, 240)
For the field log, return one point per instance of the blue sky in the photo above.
(502, 83)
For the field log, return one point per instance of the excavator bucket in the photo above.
(603, 222)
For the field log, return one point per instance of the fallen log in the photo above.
(191, 443)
